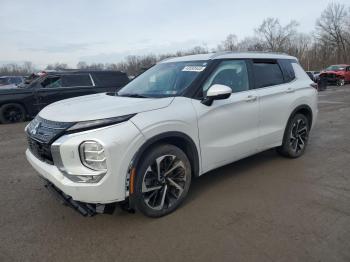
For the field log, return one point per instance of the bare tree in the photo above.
(332, 29)
(274, 36)
(229, 44)
(250, 44)
(82, 65)
(17, 69)
(57, 66)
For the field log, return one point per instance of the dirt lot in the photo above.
(264, 208)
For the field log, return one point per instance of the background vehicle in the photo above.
(11, 80)
(311, 75)
(16, 104)
(314, 75)
(337, 74)
(180, 119)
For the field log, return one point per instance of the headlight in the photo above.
(86, 125)
(93, 156)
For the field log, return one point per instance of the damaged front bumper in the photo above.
(85, 209)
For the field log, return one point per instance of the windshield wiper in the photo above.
(134, 95)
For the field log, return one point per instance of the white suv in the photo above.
(178, 120)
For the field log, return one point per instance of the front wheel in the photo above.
(162, 180)
(296, 137)
(340, 82)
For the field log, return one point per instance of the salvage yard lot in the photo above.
(263, 208)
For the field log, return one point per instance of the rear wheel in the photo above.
(163, 180)
(12, 113)
(296, 137)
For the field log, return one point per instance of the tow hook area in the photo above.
(84, 209)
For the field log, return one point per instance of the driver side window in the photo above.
(233, 74)
(52, 82)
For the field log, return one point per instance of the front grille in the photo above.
(329, 76)
(40, 135)
(41, 150)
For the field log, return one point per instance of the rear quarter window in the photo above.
(267, 73)
(110, 79)
(76, 80)
(287, 69)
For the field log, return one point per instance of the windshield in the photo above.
(29, 80)
(165, 79)
(335, 68)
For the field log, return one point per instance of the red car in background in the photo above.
(336, 74)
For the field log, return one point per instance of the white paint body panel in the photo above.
(228, 129)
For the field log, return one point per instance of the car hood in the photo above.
(100, 106)
(333, 72)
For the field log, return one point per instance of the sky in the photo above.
(106, 31)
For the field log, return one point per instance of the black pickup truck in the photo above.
(27, 99)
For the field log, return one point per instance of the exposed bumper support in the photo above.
(84, 209)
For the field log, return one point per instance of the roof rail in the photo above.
(239, 52)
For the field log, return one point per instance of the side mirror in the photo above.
(216, 92)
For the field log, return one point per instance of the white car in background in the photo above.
(178, 120)
(10, 81)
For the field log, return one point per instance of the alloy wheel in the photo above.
(340, 82)
(299, 135)
(164, 182)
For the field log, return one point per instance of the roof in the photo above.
(223, 55)
(78, 71)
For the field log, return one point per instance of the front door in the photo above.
(228, 129)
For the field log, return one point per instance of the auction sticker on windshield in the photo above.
(193, 68)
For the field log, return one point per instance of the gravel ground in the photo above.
(263, 208)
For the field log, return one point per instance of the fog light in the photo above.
(92, 155)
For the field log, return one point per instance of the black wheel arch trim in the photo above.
(194, 158)
(153, 141)
(298, 108)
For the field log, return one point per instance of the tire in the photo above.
(295, 137)
(12, 113)
(158, 195)
(340, 82)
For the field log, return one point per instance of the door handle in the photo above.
(251, 98)
(290, 90)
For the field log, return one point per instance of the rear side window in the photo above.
(267, 73)
(110, 79)
(287, 69)
(76, 80)
(52, 82)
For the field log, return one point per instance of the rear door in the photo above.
(274, 84)
(47, 90)
(228, 129)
